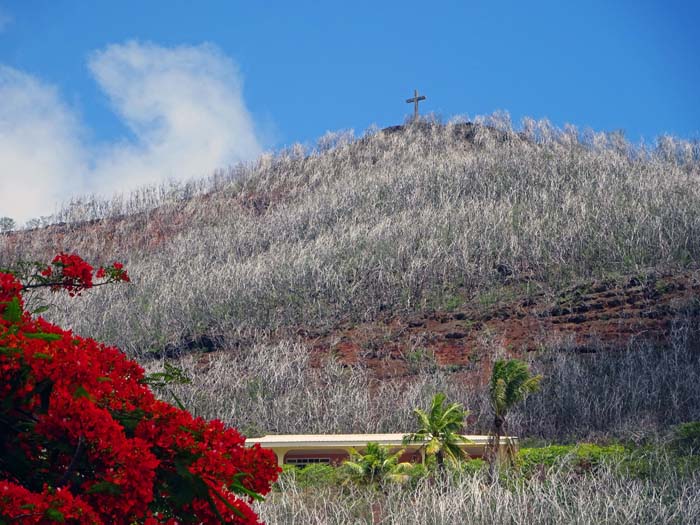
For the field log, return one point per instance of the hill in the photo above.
(346, 283)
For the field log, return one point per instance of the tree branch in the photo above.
(64, 479)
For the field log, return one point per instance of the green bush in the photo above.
(686, 439)
(415, 473)
(470, 467)
(310, 475)
(319, 476)
(581, 458)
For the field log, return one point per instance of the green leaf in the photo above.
(105, 487)
(237, 487)
(43, 336)
(128, 419)
(181, 467)
(13, 311)
(225, 502)
(81, 392)
(55, 515)
(212, 505)
(6, 350)
(41, 309)
(181, 492)
(186, 486)
(171, 375)
(178, 403)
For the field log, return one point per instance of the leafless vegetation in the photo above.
(629, 394)
(387, 223)
(391, 223)
(557, 497)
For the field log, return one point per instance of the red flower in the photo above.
(74, 274)
(59, 505)
(103, 448)
(9, 289)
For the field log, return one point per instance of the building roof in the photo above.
(348, 440)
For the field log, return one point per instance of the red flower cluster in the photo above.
(71, 273)
(9, 288)
(83, 439)
(46, 506)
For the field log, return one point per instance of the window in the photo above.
(302, 462)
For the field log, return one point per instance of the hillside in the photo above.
(373, 271)
(597, 317)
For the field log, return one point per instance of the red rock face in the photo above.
(593, 317)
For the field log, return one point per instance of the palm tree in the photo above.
(376, 465)
(510, 384)
(439, 430)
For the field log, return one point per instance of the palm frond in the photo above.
(510, 384)
(415, 437)
(440, 427)
(453, 452)
(433, 447)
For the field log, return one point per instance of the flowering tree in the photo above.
(83, 439)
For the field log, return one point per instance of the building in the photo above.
(333, 449)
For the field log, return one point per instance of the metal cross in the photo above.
(415, 101)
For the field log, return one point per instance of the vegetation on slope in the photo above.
(390, 223)
(396, 222)
(561, 493)
(262, 261)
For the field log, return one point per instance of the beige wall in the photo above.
(337, 454)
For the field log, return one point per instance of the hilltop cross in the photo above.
(415, 100)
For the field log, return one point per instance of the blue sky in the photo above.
(102, 96)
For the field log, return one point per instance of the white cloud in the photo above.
(184, 106)
(41, 158)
